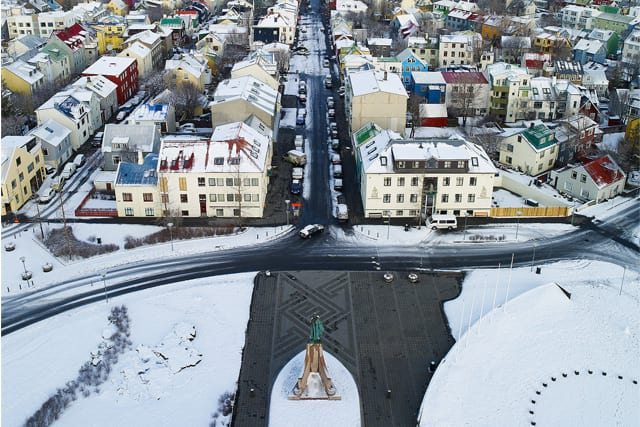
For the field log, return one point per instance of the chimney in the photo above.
(140, 157)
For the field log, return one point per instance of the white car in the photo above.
(331, 103)
(341, 91)
(331, 113)
(47, 195)
(310, 230)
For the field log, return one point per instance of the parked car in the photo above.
(97, 139)
(297, 173)
(310, 230)
(337, 184)
(79, 160)
(325, 63)
(300, 119)
(57, 183)
(341, 91)
(303, 98)
(331, 113)
(328, 82)
(68, 171)
(46, 195)
(330, 102)
(296, 186)
(335, 159)
(122, 114)
(187, 127)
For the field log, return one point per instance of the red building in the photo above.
(123, 71)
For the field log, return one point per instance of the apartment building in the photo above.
(121, 71)
(458, 49)
(402, 178)
(510, 87)
(22, 171)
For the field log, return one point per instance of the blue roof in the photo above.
(135, 174)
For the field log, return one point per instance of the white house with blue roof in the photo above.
(136, 188)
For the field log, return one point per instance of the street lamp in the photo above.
(388, 223)
(287, 202)
(22, 259)
(104, 284)
(170, 225)
(518, 223)
(466, 215)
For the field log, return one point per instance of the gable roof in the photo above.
(51, 132)
(604, 171)
(471, 77)
(371, 81)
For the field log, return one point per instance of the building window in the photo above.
(386, 198)
(585, 194)
(473, 181)
(446, 181)
(184, 213)
(574, 175)
(201, 181)
(387, 182)
(400, 165)
(127, 197)
(246, 182)
(414, 181)
(21, 176)
(212, 182)
(445, 198)
(401, 182)
(400, 198)
(583, 178)
(255, 182)
(229, 182)
(510, 147)
(213, 198)
(128, 211)
(471, 198)
(509, 160)
(183, 183)
(459, 181)
(148, 211)
(458, 198)
(413, 198)
(447, 164)
(184, 198)
(147, 197)
(399, 213)
(219, 212)
(247, 197)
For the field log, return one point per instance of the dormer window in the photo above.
(383, 161)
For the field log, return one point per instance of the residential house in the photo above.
(24, 44)
(55, 141)
(275, 27)
(188, 68)
(410, 63)
(22, 78)
(126, 143)
(136, 188)
(533, 150)
(569, 97)
(467, 93)
(597, 80)
(91, 102)
(390, 64)
(60, 61)
(609, 38)
(236, 99)
(110, 33)
(430, 86)
(426, 49)
(121, 71)
(378, 97)
(72, 41)
(117, 7)
(151, 41)
(22, 21)
(589, 50)
(574, 16)
(458, 49)
(225, 177)
(417, 178)
(22, 171)
(259, 67)
(568, 70)
(143, 57)
(599, 179)
(211, 45)
(57, 20)
(620, 24)
(544, 99)
(510, 87)
(106, 91)
(536, 63)
(176, 27)
(462, 20)
(351, 6)
(577, 136)
(379, 47)
(631, 48)
(555, 44)
(163, 116)
(71, 113)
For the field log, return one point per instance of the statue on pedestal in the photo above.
(314, 366)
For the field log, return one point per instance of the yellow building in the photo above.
(117, 7)
(188, 68)
(22, 171)
(109, 35)
(21, 77)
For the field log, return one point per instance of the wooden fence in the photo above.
(554, 211)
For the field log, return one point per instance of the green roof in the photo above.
(540, 136)
(366, 132)
(387, 59)
(55, 51)
(171, 21)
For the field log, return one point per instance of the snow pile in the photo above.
(314, 413)
(543, 358)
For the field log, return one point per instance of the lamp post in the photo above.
(170, 225)
(388, 223)
(104, 284)
(287, 202)
(466, 215)
(22, 259)
(518, 224)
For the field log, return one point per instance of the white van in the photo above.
(296, 157)
(342, 212)
(68, 171)
(443, 222)
(79, 160)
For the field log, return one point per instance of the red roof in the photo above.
(72, 36)
(604, 171)
(472, 77)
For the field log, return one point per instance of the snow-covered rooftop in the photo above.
(371, 81)
(51, 131)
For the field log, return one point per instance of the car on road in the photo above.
(310, 230)
(331, 103)
(328, 82)
(331, 113)
(303, 98)
(296, 186)
(47, 195)
(97, 139)
(300, 119)
(341, 91)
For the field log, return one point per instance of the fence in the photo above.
(555, 211)
(80, 211)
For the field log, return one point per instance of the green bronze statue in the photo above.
(316, 329)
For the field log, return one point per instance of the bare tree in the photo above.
(154, 83)
(185, 99)
(282, 60)
(463, 96)
(513, 48)
(413, 108)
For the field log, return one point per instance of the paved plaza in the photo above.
(385, 334)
